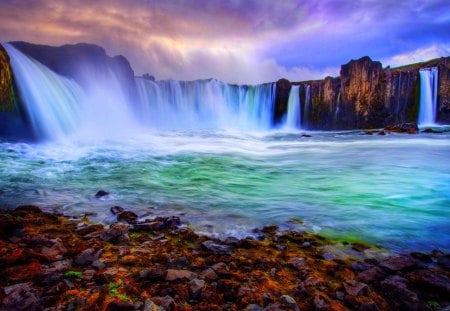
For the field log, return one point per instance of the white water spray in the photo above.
(428, 96)
(293, 118)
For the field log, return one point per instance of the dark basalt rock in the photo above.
(430, 281)
(120, 306)
(101, 194)
(117, 210)
(216, 248)
(127, 216)
(409, 128)
(398, 263)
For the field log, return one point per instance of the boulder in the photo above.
(101, 194)
(289, 302)
(175, 275)
(398, 263)
(217, 249)
(431, 281)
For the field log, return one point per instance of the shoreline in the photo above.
(50, 261)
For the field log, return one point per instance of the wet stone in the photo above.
(396, 288)
(209, 274)
(117, 210)
(371, 275)
(355, 288)
(289, 302)
(87, 256)
(101, 194)
(127, 216)
(430, 281)
(217, 249)
(398, 263)
(174, 275)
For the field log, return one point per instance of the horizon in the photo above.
(238, 42)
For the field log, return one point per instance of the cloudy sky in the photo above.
(239, 41)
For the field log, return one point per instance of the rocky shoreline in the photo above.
(53, 262)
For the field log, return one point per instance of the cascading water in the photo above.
(51, 101)
(205, 104)
(57, 106)
(428, 96)
(293, 118)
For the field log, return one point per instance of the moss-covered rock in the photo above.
(6, 82)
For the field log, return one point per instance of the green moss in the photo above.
(74, 274)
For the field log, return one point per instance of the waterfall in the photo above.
(293, 118)
(57, 106)
(338, 108)
(428, 96)
(207, 104)
(50, 100)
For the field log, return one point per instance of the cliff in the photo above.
(6, 82)
(83, 62)
(13, 124)
(366, 96)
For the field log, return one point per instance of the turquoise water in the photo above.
(392, 190)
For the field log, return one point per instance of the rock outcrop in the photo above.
(365, 96)
(84, 63)
(6, 82)
(13, 123)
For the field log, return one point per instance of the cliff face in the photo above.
(367, 96)
(281, 100)
(6, 82)
(83, 62)
(13, 123)
(444, 91)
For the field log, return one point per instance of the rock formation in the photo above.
(6, 82)
(12, 119)
(366, 96)
(80, 61)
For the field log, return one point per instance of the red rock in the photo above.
(221, 269)
(209, 274)
(22, 273)
(174, 275)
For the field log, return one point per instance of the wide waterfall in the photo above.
(205, 104)
(51, 101)
(293, 118)
(428, 96)
(57, 106)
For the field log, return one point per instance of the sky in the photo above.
(238, 41)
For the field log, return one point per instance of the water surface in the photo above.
(389, 190)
